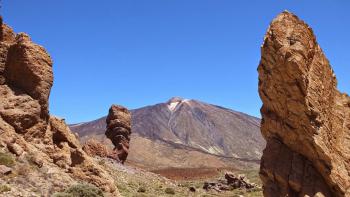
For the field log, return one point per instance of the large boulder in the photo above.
(25, 82)
(305, 119)
(239, 181)
(119, 131)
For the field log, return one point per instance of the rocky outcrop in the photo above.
(118, 131)
(305, 119)
(95, 148)
(26, 127)
(239, 181)
(26, 79)
(232, 182)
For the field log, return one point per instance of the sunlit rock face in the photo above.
(118, 131)
(305, 119)
(25, 82)
(27, 128)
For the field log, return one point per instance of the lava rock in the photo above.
(118, 131)
(304, 116)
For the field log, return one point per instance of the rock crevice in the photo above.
(303, 115)
(26, 127)
(119, 131)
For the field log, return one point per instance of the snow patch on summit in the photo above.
(175, 101)
(173, 105)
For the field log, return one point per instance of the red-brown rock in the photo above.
(304, 116)
(26, 126)
(95, 148)
(25, 82)
(118, 131)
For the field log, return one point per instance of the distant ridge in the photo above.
(185, 126)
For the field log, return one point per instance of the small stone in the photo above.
(15, 149)
(38, 161)
(192, 189)
(4, 170)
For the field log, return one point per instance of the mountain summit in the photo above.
(173, 102)
(179, 128)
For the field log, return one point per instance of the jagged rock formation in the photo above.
(232, 182)
(26, 127)
(95, 148)
(239, 181)
(118, 131)
(305, 119)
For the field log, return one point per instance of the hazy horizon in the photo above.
(137, 53)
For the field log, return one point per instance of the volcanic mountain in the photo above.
(186, 133)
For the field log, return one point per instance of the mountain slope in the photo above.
(182, 128)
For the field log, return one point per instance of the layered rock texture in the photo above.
(95, 148)
(26, 127)
(305, 119)
(118, 131)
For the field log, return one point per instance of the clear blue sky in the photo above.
(137, 53)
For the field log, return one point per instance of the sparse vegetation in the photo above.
(101, 162)
(81, 190)
(6, 159)
(253, 176)
(4, 188)
(130, 183)
(141, 190)
(62, 194)
(169, 190)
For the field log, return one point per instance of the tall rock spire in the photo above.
(118, 131)
(305, 119)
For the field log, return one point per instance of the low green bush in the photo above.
(4, 188)
(62, 194)
(81, 190)
(6, 159)
(169, 190)
(141, 190)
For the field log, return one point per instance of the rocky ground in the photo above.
(170, 134)
(133, 181)
(28, 179)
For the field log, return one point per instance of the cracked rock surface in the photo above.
(118, 131)
(27, 130)
(305, 119)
